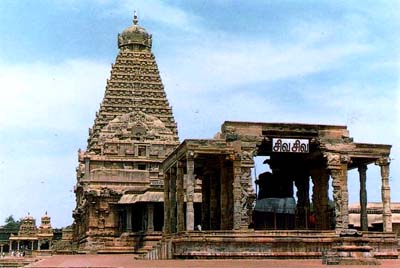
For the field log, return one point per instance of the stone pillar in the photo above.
(38, 245)
(180, 197)
(205, 204)
(320, 198)
(167, 203)
(129, 218)
(150, 217)
(214, 204)
(17, 244)
(345, 194)
(337, 164)
(10, 246)
(173, 199)
(237, 208)
(225, 197)
(1, 249)
(362, 170)
(190, 192)
(32, 244)
(302, 183)
(385, 190)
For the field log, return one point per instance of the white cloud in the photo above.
(159, 12)
(219, 60)
(58, 96)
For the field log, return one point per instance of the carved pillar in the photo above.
(190, 192)
(150, 217)
(11, 246)
(320, 198)
(39, 244)
(337, 164)
(345, 195)
(129, 218)
(173, 199)
(32, 245)
(337, 197)
(167, 204)
(385, 190)
(180, 197)
(17, 244)
(1, 249)
(237, 208)
(362, 170)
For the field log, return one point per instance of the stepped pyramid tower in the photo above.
(119, 189)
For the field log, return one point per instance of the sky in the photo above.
(322, 62)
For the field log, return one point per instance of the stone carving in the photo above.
(345, 159)
(351, 232)
(135, 126)
(332, 159)
(337, 197)
(383, 161)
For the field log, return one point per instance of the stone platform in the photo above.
(274, 244)
(128, 262)
(128, 243)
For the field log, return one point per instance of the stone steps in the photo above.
(16, 262)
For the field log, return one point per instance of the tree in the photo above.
(11, 223)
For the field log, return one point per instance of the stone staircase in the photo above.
(12, 262)
(351, 249)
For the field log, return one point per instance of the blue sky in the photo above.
(328, 62)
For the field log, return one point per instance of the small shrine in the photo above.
(31, 238)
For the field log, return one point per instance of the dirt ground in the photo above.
(108, 261)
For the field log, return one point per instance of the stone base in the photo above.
(364, 261)
(127, 243)
(248, 244)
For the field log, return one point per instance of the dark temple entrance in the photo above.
(283, 193)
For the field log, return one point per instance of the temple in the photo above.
(139, 191)
(119, 189)
(31, 238)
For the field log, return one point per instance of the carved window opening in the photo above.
(142, 150)
(142, 166)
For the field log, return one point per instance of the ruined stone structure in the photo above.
(119, 189)
(297, 155)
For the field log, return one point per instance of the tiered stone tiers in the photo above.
(135, 85)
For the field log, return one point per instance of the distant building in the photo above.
(5, 234)
(375, 220)
(30, 237)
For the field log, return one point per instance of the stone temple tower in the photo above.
(119, 188)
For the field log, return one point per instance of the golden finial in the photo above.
(135, 19)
